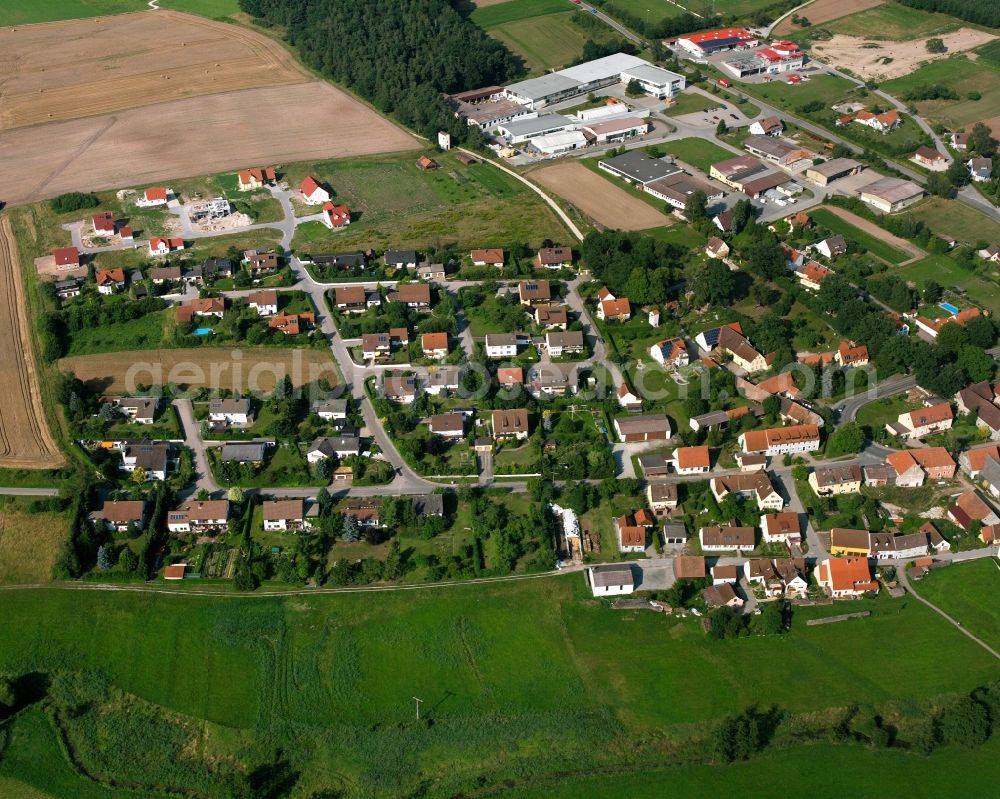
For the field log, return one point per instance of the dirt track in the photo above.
(25, 439)
(67, 70)
(825, 10)
(599, 198)
(192, 368)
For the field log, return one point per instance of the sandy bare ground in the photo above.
(25, 439)
(234, 369)
(67, 70)
(598, 198)
(825, 10)
(865, 58)
(194, 136)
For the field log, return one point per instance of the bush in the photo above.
(74, 201)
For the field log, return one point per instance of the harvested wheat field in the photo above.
(600, 199)
(867, 59)
(246, 369)
(72, 69)
(171, 95)
(196, 136)
(25, 439)
(823, 11)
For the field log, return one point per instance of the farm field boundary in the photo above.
(600, 199)
(25, 438)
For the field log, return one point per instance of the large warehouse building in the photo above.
(593, 75)
(702, 44)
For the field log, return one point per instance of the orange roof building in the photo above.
(781, 440)
(846, 578)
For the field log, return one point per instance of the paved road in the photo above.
(786, 486)
(847, 409)
(193, 441)
(30, 492)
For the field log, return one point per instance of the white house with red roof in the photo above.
(158, 195)
(159, 245)
(66, 257)
(312, 192)
(336, 216)
(883, 123)
(104, 224)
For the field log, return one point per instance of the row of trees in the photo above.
(400, 55)
(970, 10)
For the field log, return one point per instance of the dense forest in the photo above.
(398, 54)
(970, 10)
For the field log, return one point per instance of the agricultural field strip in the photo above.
(25, 439)
(68, 70)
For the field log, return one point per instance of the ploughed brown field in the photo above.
(825, 10)
(132, 98)
(234, 369)
(25, 439)
(600, 199)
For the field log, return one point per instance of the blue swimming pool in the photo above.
(948, 307)
(202, 331)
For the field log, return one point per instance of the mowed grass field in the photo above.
(827, 89)
(542, 32)
(964, 591)
(893, 21)
(505, 671)
(397, 205)
(821, 771)
(699, 153)
(875, 246)
(24, 12)
(963, 76)
(948, 273)
(966, 224)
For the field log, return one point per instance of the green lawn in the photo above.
(949, 274)
(821, 771)
(397, 205)
(689, 103)
(877, 413)
(875, 246)
(519, 678)
(500, 13)
(961, 75)
(964, 591)
(956, 219)
(145, 333)
(892, 21)
(546, 42)
(22, 12)
(698, 153)
(827, 89)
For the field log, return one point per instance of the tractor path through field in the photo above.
(905, 582)
(548, 200)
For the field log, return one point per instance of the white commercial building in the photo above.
(593, 75)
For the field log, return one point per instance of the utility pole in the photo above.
(418, 701)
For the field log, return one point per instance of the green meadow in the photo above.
(517, 680)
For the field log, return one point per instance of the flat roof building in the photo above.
(636, 166)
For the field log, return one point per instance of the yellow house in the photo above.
(844, 541)
(828, 481)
